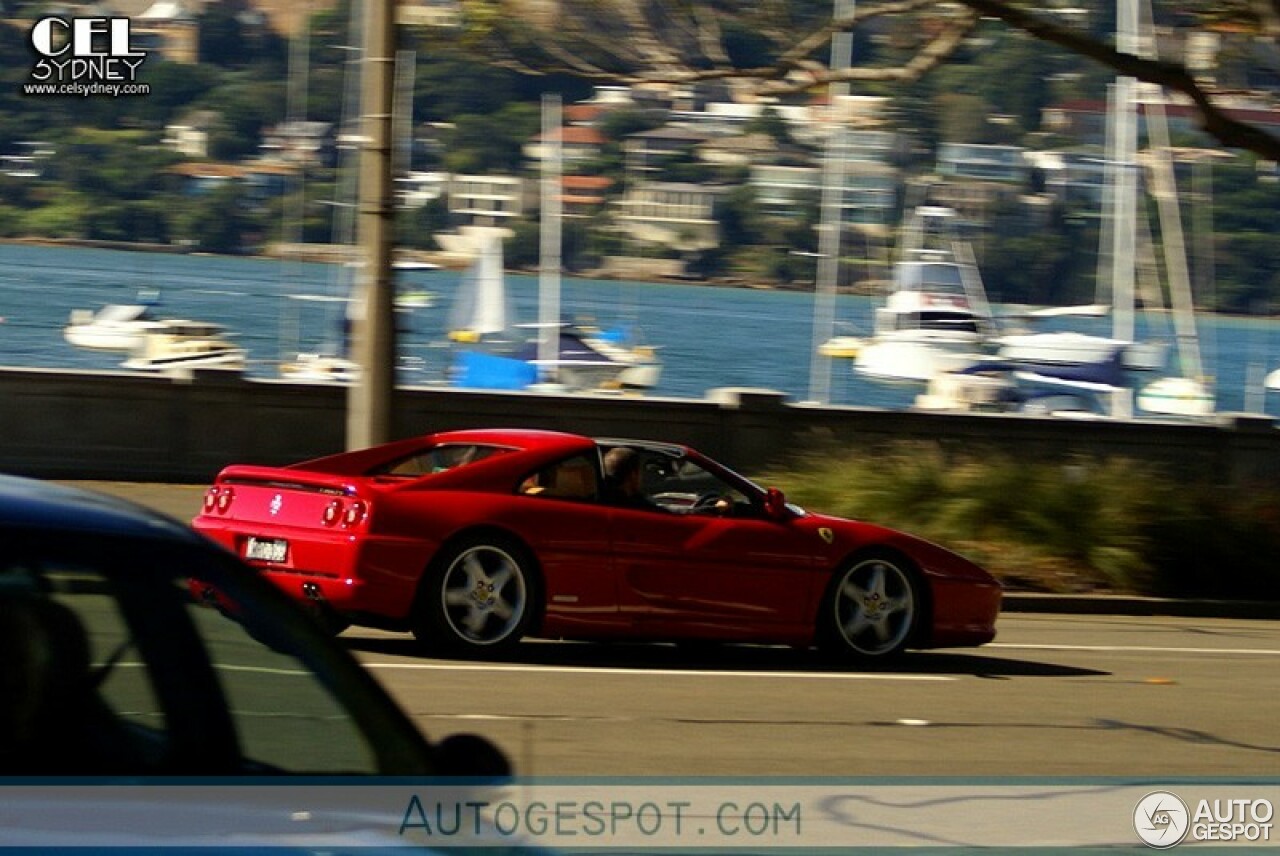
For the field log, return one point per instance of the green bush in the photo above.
(1080, 525)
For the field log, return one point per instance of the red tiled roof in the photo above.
(576, 135)
(583, 112)
(586, 182)
(194, 169)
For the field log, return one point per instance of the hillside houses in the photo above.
(664, 188)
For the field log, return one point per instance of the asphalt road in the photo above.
(1055, 695)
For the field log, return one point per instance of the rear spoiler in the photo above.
(286, 479)
(360, 461)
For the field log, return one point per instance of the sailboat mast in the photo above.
(294, 208)
(1124, 172)
(828, 274)
(549, 269)
(373, 324)
(1165, 190)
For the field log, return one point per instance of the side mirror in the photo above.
(472, 756)
(775, 504)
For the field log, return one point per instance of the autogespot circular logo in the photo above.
(1161, 819)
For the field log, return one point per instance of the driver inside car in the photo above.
(623, 478)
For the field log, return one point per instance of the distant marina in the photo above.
(707, 337)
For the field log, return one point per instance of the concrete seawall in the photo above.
(128, 427)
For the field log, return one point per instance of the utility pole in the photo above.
(373, 328)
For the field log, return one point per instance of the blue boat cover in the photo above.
(478, 370)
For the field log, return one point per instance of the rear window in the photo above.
(437, 459)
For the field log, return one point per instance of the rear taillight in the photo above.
(218, 499)
(345, 513)
(332, 512)
(355, 513)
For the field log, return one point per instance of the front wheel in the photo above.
(871, 609)
(478, 597)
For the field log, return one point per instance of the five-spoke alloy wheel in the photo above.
(872, 608)
(479, 598)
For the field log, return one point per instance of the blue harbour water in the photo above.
(708, 336)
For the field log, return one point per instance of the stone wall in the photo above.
(128, 427)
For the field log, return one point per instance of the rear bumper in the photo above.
(344, 571)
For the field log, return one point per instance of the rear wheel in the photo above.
(872, 608)
(478, 597)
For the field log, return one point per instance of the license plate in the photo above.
(267, 549)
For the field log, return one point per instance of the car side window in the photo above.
(285, 719)
(73, 697)
(572, 478)
(682, 486)
(437, 459)
(114, 669)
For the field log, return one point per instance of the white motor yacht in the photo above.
(937, 317)
(182, 344)
(928, 325)
(114, 327)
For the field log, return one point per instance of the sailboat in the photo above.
(1188, 394)
(482, 310)
(559, 356)
(937, 318)
(330, 362)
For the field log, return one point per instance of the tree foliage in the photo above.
(677, 41)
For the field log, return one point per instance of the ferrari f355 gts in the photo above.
(475, 539)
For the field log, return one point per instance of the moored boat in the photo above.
(180, 344)
(114, 327)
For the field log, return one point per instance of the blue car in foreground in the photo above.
(111, 667)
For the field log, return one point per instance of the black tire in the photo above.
(872, 608)
(478, 598)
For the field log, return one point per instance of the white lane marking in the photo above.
(1136, 649)
(698, 673)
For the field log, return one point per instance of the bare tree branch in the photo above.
(1213, 118)
(646, 40)
(709, 34)
(926, 59)
(820, 37)
(683, 41)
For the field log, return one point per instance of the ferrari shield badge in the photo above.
(826, 534)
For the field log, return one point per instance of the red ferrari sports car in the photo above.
(475, 539)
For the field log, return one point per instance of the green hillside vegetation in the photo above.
(1083, 525)
(111, 178)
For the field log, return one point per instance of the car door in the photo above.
(689, 567)
(560, 514)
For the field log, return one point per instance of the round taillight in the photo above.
(332, 512)
(355, 513)
(224, 499)
(210, 499)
